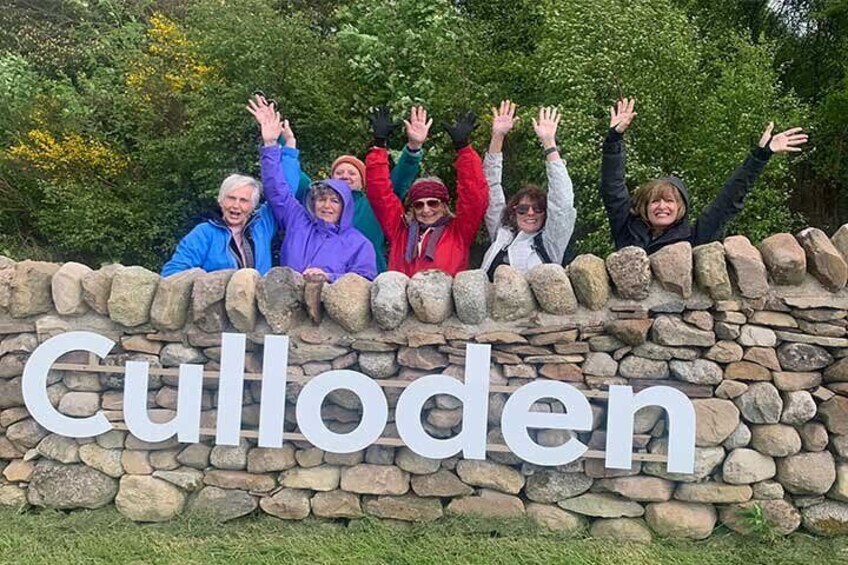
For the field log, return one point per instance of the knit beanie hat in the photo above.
(429, 187)
(350, 160)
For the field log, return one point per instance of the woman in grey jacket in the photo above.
(532, 228)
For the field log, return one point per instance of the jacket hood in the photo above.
(344, 191)
(684, 192)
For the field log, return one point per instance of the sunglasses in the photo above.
(429, 203)
(525, 208)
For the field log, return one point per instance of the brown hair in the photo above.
(654, 190)
(536, 195)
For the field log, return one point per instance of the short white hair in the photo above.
(234, 181)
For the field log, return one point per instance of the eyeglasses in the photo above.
(522, 209)
(430, 203)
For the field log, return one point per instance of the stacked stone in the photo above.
(756, 337)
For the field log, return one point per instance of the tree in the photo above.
(135, 125)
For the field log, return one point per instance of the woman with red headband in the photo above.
(422, 231)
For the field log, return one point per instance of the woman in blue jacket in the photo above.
(239, 238)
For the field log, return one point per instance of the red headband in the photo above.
(426, 188)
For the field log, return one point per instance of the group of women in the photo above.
(370, 217)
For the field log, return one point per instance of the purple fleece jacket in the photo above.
(309, 241)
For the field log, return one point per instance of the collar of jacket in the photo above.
(217, 220)
(679, 231)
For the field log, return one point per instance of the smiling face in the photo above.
(529, 215)
(237, 205)
(660, 204)
(348, 173)
(428, 211)
(662, 211)
(327, 204)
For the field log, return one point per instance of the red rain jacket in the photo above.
(472, 198)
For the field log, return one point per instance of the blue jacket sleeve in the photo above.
(287, 210)
(266, 219)
(406, 171)
(290, 163)
(190, 253)
(303, 187)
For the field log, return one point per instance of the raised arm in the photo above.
(471, 188)
(731, 199)
(386, 205)
(613, 188)
(290, 161)
(503, 120)
(277, 190)
(406, 170)
(561, 213)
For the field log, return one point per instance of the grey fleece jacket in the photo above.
(559, 225)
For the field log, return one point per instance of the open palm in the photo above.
(417, 126)
(503, 118)
(622, 114)
(546, 125)
(788, 141)
(267, 117)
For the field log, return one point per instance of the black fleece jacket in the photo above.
(630, 229)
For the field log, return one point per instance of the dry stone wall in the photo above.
(756, 337)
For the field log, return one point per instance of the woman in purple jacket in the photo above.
(320, 240)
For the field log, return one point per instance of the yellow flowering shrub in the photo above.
(69, 156)
(169, 65)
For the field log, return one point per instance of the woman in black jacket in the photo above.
(656, 214)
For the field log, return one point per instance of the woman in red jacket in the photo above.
(422, 231)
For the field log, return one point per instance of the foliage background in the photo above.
(119, 119)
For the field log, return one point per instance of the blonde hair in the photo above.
(654, 190)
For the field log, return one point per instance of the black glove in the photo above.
(382, 125)
(461, 131)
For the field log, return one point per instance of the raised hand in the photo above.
(546, 126)
(622, 114)
(461, 130)
(288, 135)
(382, 125)
(268, 118)
(417, 127)
(784, 142)
(503, 118)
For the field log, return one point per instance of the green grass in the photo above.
(103, 536)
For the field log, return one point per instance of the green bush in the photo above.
(143, 112)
